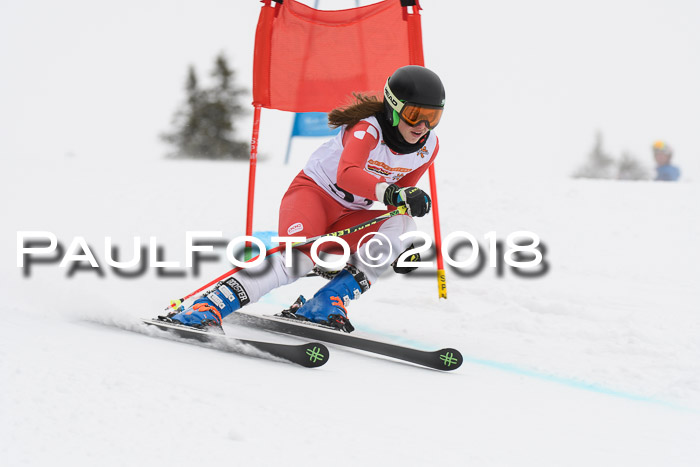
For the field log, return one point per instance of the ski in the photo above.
(446, 359)
(310, 355)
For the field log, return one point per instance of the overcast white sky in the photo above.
(528, 83)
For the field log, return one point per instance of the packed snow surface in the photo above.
(594, 362)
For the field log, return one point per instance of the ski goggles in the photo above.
(412, 113)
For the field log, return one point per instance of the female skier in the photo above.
(382, 150)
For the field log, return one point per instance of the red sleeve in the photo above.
(358, 141)
(412, 178)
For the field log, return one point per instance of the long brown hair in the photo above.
(364, 106)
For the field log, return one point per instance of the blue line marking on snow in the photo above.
(512, 368)
(577, 384)
(515, 369)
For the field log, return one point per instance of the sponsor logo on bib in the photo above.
(294, 228)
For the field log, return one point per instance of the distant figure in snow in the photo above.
(664, 170)
(383, 149)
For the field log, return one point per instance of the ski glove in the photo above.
(417, 201)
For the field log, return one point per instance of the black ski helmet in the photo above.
(414, 87)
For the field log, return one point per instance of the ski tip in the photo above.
(448, 359)
(313, 355)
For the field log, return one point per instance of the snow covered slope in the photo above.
(596, 362)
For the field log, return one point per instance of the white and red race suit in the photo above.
(337, 186)
(349, 166)
(333, 192)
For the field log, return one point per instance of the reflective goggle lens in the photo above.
(413, 115)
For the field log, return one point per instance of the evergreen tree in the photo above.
(629, 168)
(204, 125)
(600, 164)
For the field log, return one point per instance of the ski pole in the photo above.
(271, 251)
(441, 281)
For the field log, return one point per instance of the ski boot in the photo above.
(207, 311)
(327, 306)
